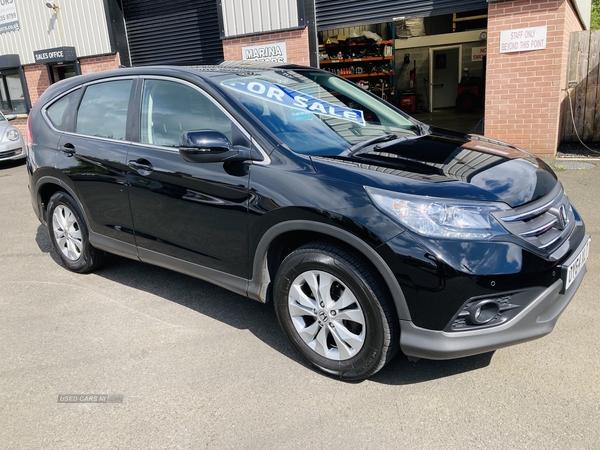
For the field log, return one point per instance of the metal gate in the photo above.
(346, 13)
(172, 32)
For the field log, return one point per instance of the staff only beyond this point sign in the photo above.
(523, 39)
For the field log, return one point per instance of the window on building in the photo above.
(12, 96)
(103, 110)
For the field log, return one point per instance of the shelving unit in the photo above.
(375, 73)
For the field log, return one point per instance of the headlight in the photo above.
(13, 135)
(440, 217)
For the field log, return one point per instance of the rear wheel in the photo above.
(335, 312)
(69, 235)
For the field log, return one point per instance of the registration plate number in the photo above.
(575, 264)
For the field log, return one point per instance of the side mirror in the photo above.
(204, 146)
(10, 116)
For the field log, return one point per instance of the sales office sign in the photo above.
(53, 55)
(523, 39)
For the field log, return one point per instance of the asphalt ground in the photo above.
(189, 365)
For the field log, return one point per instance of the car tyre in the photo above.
(335, 312)
(69, 235)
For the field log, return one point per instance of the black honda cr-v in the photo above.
(368, 230)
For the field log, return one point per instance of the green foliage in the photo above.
(595, 15)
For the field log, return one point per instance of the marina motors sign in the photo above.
(523, 39)
(275, 52)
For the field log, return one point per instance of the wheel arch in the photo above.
(283, 238)
(45, 188)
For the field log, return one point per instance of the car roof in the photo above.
(202, 71)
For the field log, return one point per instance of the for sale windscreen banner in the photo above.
(9, 20)
(291, 98)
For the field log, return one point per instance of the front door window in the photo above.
(170, 108)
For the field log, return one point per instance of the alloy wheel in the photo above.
(327, 315)
(67, 232)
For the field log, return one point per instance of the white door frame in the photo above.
(431, 62)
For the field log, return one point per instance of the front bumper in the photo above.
(534, 321)
(11, 150)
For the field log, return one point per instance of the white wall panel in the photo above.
(584, 7)
(258, 16)
(79, 23)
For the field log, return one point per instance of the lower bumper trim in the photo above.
(535, 321)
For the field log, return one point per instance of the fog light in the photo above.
(483, 311)
(486, 312)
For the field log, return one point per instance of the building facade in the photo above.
(503, 59)
(508, 56)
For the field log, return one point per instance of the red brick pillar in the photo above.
(99, 63)
(37, 80)
(524, 89)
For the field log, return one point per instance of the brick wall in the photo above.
(99, 63)
(524, 89)
(38, 81)
(296, 44)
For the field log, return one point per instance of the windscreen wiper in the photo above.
(357, 147)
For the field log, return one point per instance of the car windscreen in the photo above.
(313, 112)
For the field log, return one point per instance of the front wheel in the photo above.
(335, 312)
(69, 235)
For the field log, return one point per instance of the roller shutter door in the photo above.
(346, 13)
(172, 31)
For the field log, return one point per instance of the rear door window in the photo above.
(103, 110)
(59, 111)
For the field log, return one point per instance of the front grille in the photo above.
(10, 153)
(544, 223)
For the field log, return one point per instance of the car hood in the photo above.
(449, 165)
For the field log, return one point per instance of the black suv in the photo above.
(368, 230)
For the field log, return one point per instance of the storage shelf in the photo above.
(355, 44)
(363, 60)
(351, 60)
(362, 75)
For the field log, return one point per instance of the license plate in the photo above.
(575, 264)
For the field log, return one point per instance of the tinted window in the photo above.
(103, 110)
(58, 111)
(170, 108)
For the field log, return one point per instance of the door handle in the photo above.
(438, 85)
(141, 166)
(68, 149)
